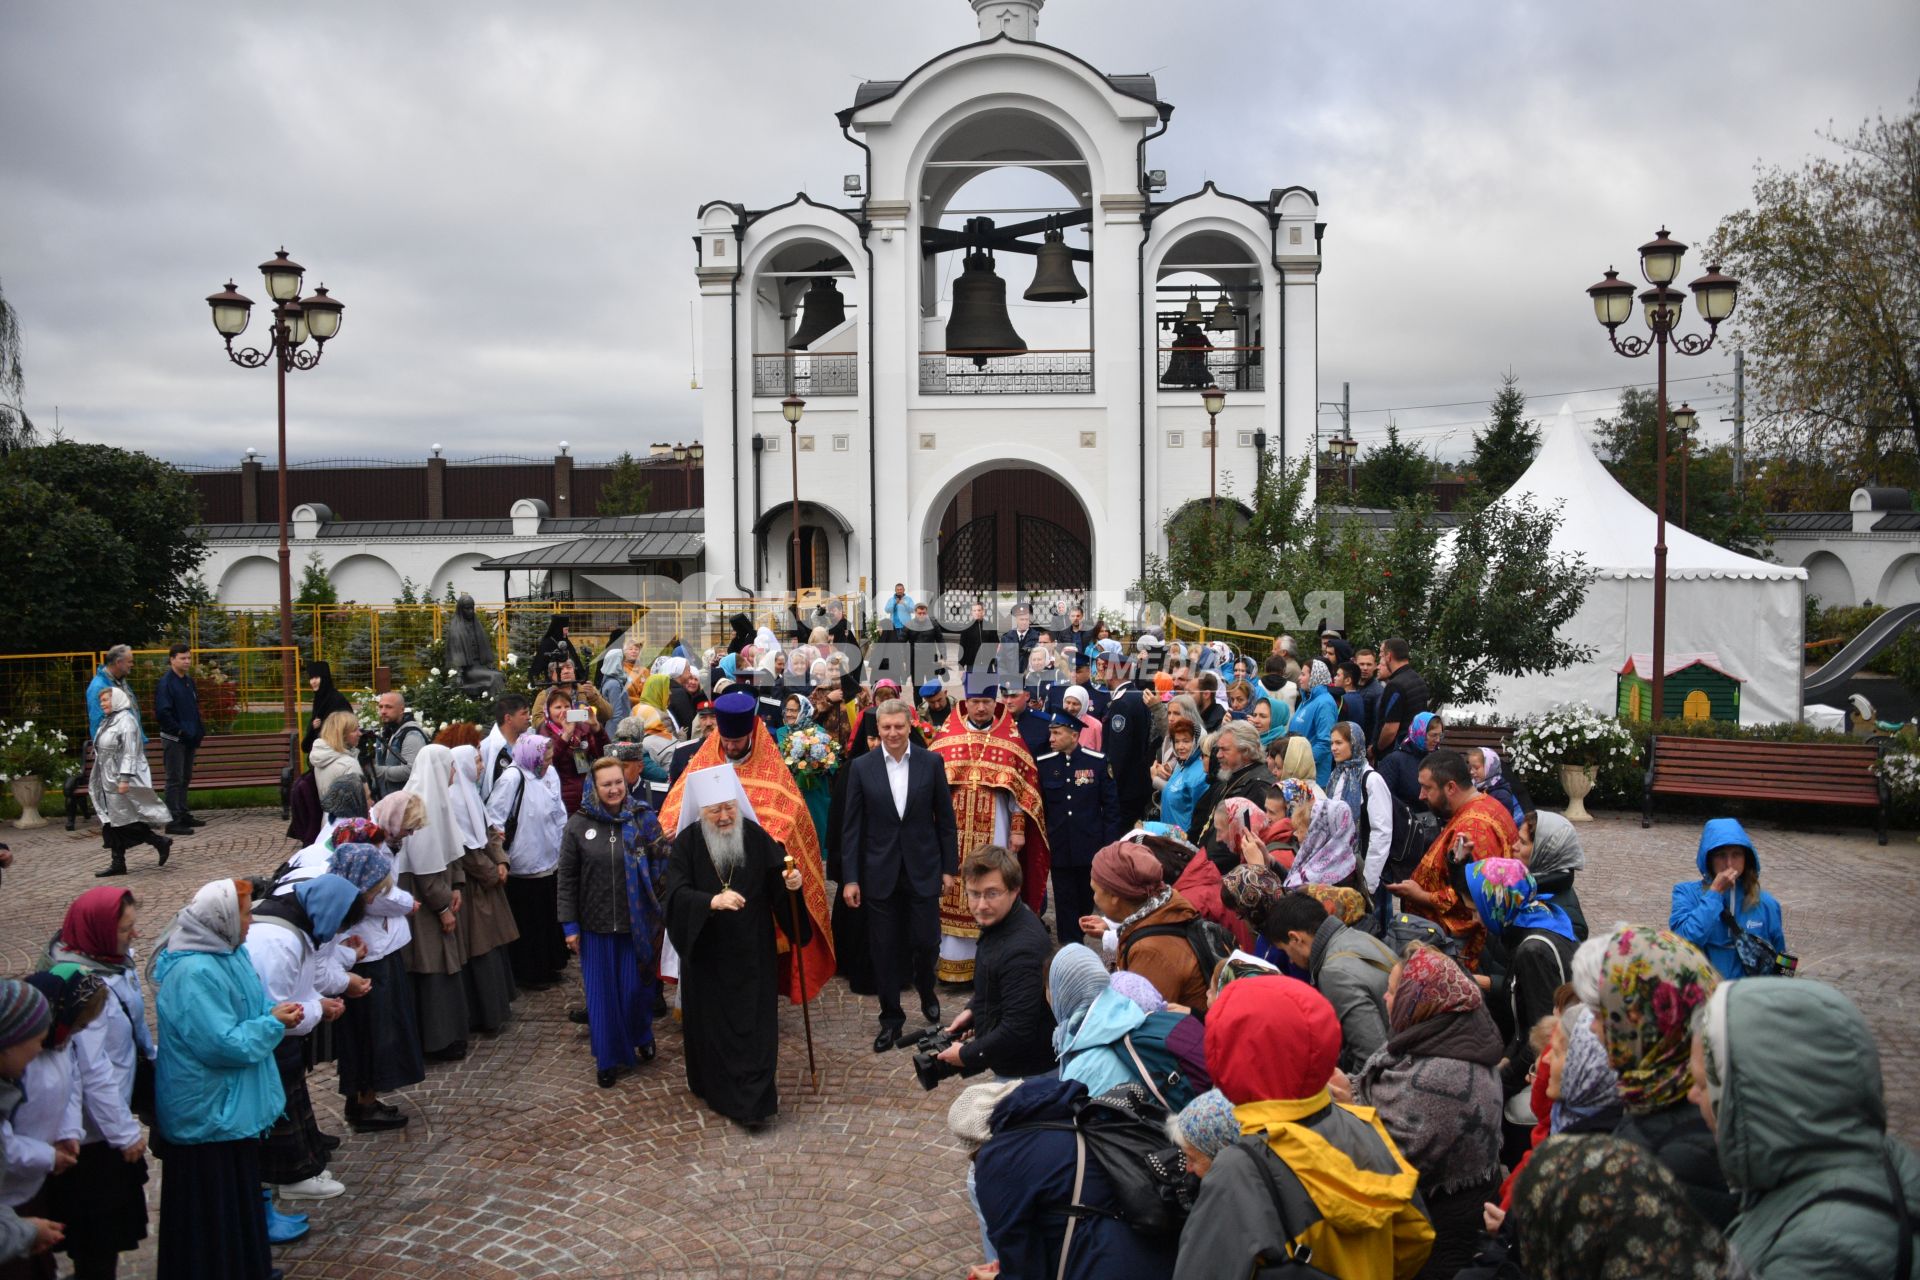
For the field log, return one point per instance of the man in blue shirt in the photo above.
(112, 674)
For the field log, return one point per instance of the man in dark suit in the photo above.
(1017, 644)
(1127, 737)
(900, 847)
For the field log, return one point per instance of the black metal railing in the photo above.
(1053, 372)
(1229, 368)
(795, 373)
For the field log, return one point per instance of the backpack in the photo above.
(1146, 1048)
(1402, 853)
(1403, 928)
(1209, 939)
(1125, 1132)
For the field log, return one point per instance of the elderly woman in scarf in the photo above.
(1574, 1091)
(121, 787)
(525, 807)
(1598, 1207)
(485, 919)
(1437, 1090)
(216, 1088)
(1078, 703)
(1651, 982)
(1327, 851)
(1539, 943)
(1550, 846)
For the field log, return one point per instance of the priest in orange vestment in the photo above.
(1477, 827)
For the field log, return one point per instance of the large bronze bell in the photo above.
(978, 325)
(826, 311)
(1053, 277)
(1188, 367)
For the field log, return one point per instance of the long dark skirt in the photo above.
(440, 1003)
(619, 998)
(378, 1038)
(213, 1221)
(490, 990)
(540, 952)
(103, 1202)
(292, 1151)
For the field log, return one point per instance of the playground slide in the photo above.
(1825, 685)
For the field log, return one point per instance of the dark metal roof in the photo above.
(239, 532)
(1887, 498)
(357, 529)
(1809, 522)
(1898, 522)
(604, 553)
(606, 527)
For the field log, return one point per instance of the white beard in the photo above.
(727, 849)
(1225, 772)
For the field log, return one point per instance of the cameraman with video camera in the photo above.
(1009, 1020)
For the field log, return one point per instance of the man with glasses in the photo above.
(1008, 1023)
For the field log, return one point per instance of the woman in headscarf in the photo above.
(1249, 832)
(1597, 1208)
(656, 691)
(1327, 853)
(121, 787)
(1315, 719)
(327, 700)
(1437, 1088)
(1489, 779)
(525, 807)
(102, 1200)
(1550, 846)
(1078, 703)
(216, 1089)
(283, 943)
(1180, 775)
(1538, 941)
(42, 1128)
(1574, 1091)
(485, 919)
(1651, 981)
(576, 743)
(1401, 766)
(427, 865)
(1366, 793)
(1291, 757)
(555, 648)
(1250, 892)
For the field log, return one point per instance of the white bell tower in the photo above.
(1016, 18)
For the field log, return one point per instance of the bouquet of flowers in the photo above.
(811, 755)
(28, 750)
(1570, 734)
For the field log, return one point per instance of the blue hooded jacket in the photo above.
(215, 1079)
(1696, 912)
(1314, 722)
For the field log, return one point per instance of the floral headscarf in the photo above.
(1318, 675)
(68, 989)
(1651, 981)
(1347, 905)
(356, 831)
(530, 752)
(1587, 1083)
(1326, 853)
(1594, 1208)
(1137, 989)
(1504, 894)
(1431, 984)
(1240, 817)
(360, 865)
(1251, 891)
(1417, 731)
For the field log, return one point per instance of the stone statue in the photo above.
(470, 652)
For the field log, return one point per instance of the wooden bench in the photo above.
(1463, 737)
(224, 760)
(1811, 772)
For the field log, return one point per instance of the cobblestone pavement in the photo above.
(517, 1165)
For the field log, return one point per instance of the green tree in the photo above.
(1713, 510)
(16, 429)
(1828, 257)
(315, 586)
(125, 569)
(1392, 474)
(1505, 448)
(626, 491)
(1478, 602)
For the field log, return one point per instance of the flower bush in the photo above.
(1569, 734)
(811, 755)
(28, 750)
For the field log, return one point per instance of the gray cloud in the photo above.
(503, 195)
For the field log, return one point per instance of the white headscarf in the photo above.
(715, 784)
(1077, 691)
(436, 846)
(765, 638)
(209, 923)
(672, 667)
(468, 815)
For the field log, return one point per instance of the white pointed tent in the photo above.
(1750, 612)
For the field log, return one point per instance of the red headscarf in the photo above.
(1271, 1039)
(92, 924)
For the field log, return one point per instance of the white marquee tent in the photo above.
(1750, 612)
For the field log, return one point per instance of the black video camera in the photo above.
(927, 1045)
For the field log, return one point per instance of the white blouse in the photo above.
(535, 850)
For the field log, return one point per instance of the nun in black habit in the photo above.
(726, 888)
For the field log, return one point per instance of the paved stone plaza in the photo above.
(517, 1165)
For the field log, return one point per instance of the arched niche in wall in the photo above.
(1200, 340)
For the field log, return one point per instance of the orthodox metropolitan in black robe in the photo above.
(729, 968)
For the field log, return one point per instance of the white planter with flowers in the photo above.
(1577, 742)
(30, 754)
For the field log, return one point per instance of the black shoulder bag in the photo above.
(1296, 1260)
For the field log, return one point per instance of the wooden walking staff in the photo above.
(800, 960)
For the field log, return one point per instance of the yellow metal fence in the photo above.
(241, 689)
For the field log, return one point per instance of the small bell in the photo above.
(826, 311)
(1193, 314)
(978, 324)
(1053, 277)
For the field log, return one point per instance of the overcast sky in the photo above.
(503, 194)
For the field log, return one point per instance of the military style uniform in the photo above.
(1083, 816)
(1127, 738)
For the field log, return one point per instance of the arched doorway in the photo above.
(1015, 529)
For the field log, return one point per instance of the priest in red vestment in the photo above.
(1477, 827)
